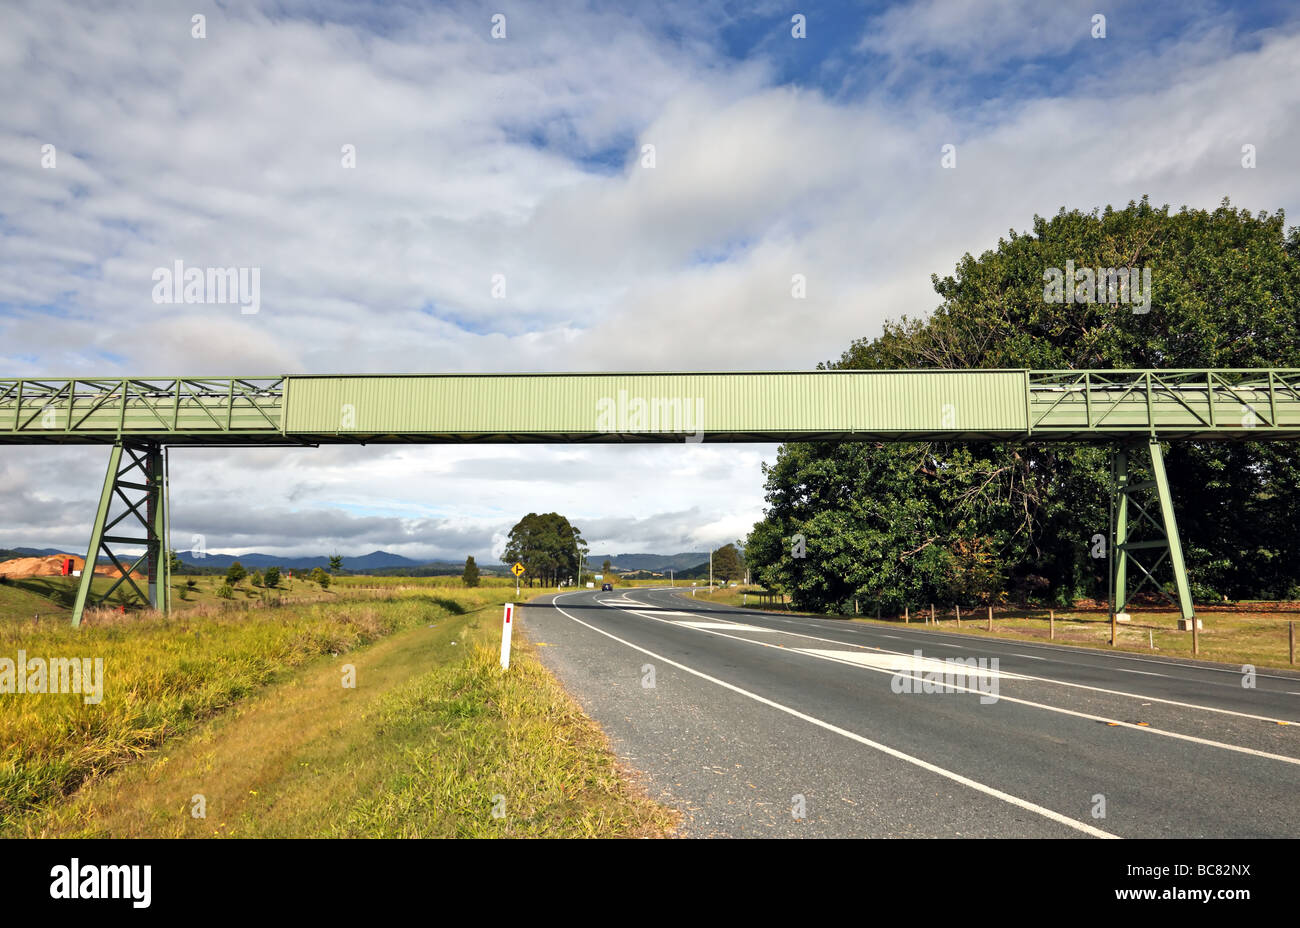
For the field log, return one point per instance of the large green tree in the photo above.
(235, 573)
(907, 523)
(727, 563)
(548, 547)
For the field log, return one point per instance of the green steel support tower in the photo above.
(137, 480)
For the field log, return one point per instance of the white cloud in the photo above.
(476, 158)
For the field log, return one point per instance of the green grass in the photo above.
(161, 676)
(20, 603)
(246, 707)
(58, 594)
(52, 597)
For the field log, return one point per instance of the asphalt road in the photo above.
(756, 724)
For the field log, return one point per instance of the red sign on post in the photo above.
(505, 636)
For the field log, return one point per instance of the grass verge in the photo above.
(433, 740)
(161, 676)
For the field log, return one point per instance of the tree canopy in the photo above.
(471, 575)
(548, 547)
(727, 563)
(912, 523)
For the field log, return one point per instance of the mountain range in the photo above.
(655, 562)
(384, 560)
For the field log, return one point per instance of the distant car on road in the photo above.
(607, 588)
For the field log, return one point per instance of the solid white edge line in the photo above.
(853, 736)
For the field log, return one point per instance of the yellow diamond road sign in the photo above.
(518, 569)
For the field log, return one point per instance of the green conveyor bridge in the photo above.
(138, 418)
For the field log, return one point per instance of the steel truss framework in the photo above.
(137, 481)
(1128, 409)
(1144, 533)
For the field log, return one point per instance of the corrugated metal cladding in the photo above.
(814, 402)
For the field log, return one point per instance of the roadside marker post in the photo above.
(506, 625)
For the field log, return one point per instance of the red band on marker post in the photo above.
(505, 636)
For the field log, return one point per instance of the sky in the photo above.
(418, 194)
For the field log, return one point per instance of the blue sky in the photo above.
(521, 159)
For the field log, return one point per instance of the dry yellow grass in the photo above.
(433, 737)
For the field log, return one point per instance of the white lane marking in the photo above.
(1071, 652)
(844, 657)
(1081, 686)
(1100, 718)
(733, 626)
(1030, 656)
(1145, 673)
(1165, 662)
(908, 663)
(895, 637)
(853, 736)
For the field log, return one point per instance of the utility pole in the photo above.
(710, 572)
(671, 581)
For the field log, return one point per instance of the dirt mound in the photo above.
(51, 566)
